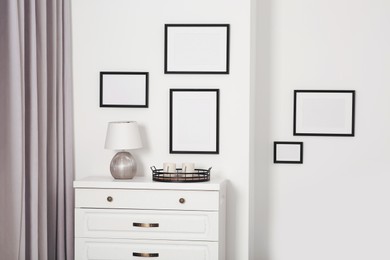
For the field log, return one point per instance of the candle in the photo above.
(169, 167)
(188, 167)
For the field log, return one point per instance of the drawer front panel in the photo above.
(147, 199)
(119, 249)
(146, 224)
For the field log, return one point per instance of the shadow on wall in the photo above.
(138, 154)
(263, 148)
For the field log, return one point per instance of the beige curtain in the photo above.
(36, 130)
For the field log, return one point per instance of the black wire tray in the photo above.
(199, 175)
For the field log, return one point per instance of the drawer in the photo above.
(146, 224)
(147, 199)
(119, 249)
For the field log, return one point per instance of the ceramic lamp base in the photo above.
(123, 166)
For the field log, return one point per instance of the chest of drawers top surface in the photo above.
(145, 183)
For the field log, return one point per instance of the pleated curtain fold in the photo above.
(36, 130)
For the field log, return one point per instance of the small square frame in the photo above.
(324, 113)
(288, 152)
(124, 89)
(194, 121)
(196, 49)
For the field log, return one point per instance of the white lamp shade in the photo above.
(123, 136)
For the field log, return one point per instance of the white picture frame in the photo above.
(124, 89)
(194, 121)
(288, 152)
(196, 49)
(324, 112)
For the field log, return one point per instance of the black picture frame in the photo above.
(309, 102)
(192, 46)
(124, 89)
(194, 114)
(277, 158)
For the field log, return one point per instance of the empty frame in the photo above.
(196, 49)
(324, 112)
(124, 89)
(288, 152)
(194, 121)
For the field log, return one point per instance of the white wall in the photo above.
(123, 35)
(336, 205)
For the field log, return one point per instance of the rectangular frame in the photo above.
(124, 89)
(194, 121)
(196, 49)
(324, 112)
(291, 154)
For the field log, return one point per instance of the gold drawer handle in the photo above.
(145, 225)
(145, 254)
(182, 200)
(109, 199)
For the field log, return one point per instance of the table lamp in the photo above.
(123, 136)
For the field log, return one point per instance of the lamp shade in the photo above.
(123, 135)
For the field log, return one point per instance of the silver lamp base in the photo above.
(123, 166)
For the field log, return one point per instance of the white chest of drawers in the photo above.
(141, 219)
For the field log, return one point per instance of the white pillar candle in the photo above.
(169, 167)
(188, 167)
